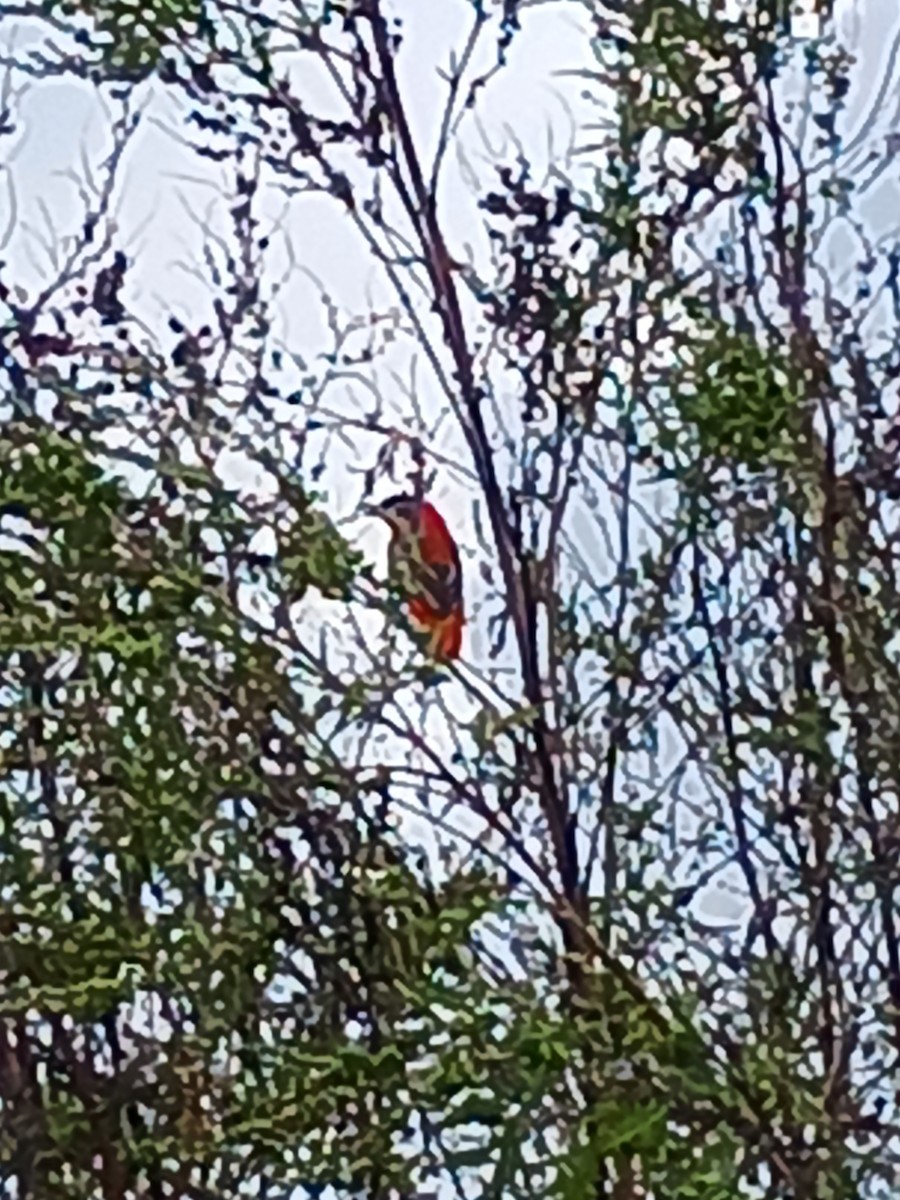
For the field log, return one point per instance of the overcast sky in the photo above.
(167, 196)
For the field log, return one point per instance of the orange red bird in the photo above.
(424, 559)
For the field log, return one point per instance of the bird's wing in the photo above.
(439, 584)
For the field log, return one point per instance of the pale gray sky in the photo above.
(167, 196)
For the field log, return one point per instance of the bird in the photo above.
(423, 559)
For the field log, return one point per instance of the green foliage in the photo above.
(804, 731)
(745, 401)
(138, 697)
(133, 34)
(676, 53)
(675, 43)
(311, 551)
(225, 968)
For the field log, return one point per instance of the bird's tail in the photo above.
(450, 638)
(444, 633)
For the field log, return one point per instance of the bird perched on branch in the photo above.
(424, 560)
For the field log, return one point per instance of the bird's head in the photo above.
(400, 512)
